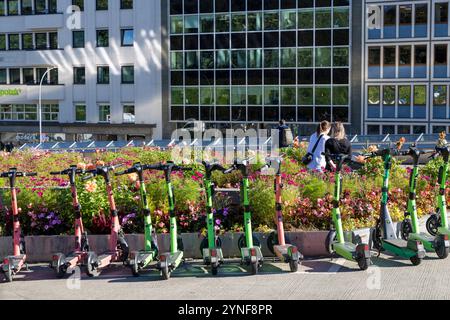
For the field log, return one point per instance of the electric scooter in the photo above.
(335, 242)
(12, 265)
(248, 244)
(211, 246)
(61, 262)
(384, 236)
(438, 224)
(118, 246)
(169, 261)
(410, 226)
(277, 241)
(139, 260)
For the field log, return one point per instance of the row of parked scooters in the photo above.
(411, 245)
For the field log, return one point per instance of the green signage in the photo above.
(10, 92)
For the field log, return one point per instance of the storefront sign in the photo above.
(10, 92)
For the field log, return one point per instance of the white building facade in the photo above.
(103, 63)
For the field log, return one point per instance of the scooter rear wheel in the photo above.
(165, 273)
(433, 224)
(364, 263)
(9, 277)
(214, 270)
(61, 269)
(293, 264)
(91, 265)
(135, 267)
(416, 260)
(441, 251)
(242, 243)
(331, 238)
(255, 268)
(123, 246)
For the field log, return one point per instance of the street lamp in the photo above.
(41, 139)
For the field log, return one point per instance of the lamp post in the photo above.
(41, 139)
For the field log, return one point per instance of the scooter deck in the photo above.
(400, 248)
(346, 250)
(444, 231)
(17, 262)
(282, 252)
(75, 258)
(143, 257)
(107, 258)
(173, 260)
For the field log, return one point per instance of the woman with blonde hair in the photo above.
(338, 143)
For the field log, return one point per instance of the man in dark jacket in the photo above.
(286, 138)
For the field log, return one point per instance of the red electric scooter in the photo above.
(118, 246)
(61, 262)
(13, 264)
(277, 241)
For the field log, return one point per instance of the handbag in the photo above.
(308, 158)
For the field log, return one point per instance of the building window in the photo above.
(129, 114)
(40, 6)
(3, 77)
(440, 99)
(2, 7)
(2, 42)
(103, 75)
(53, 40)
(13, 7)
(26, 7)
(50, 112)
(128, 74)
(80, 113)
(14, 76)
(41, 41)
(420, 102)
(14, 42)
(441, 19)
(126, 4)
(79, 75)
(27, 41)
(28, 76)
(102, 38)
(40, 75)
(440, 60)
(421, 20)
(78, 39)
(104, 113)
(79, 4)
(101, 5)
(127, 36)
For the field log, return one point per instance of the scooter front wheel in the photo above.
(416, 260)
(364, 263)
(407, 229)
(433, 224)
(293, 265)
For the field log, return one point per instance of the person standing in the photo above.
(316, 148)
(338, 143)
(286, 137)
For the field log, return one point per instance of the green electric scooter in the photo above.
(437, 224)
(410, 226)
(211, 246)
(169, 261)
(248, 244)
(335, 241)
(139, 260)
(384, 236)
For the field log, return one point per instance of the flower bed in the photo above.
(45, 201)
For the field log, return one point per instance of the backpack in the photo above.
(287, 138)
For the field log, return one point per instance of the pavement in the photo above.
(387, 278)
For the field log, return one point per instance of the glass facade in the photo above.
(406, 66)
(235, 61)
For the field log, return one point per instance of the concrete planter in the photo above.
(41, 248)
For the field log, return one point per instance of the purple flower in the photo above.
(41, 216)
(218, 222)
(225, 212)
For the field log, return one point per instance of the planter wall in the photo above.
(41, 248)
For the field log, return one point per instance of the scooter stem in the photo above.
(279, 209)
(247, 214)
(115, 224)
(16, 223)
